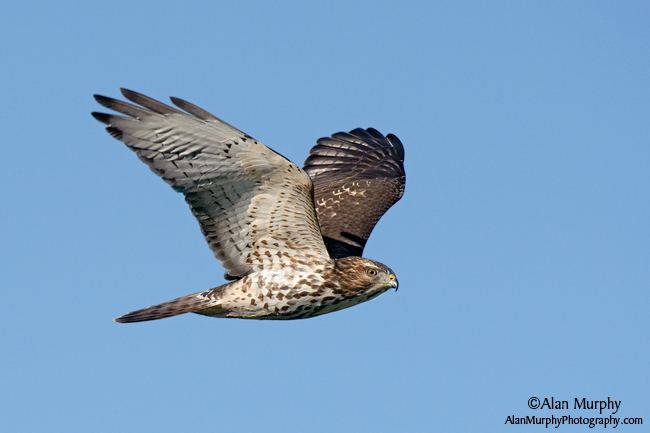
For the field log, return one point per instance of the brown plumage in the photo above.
(257, 213)
(358, 176)
(339, 284)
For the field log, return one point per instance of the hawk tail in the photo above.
(193, 303)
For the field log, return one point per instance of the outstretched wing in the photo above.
(357, 176)
(254, 207)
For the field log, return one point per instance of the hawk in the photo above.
(289, 239)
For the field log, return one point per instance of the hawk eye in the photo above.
(372, 272)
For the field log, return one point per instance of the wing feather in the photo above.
(254, 207)
(358, 176)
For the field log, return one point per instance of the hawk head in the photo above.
(361, 275)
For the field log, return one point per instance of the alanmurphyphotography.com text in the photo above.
(592, 413)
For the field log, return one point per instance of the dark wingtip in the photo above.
(193, 109)
(101, 98)
(376, 134)
(136, 97)
(397, 144)
(178, 101)
(106, 101)
(102, 117)
(147, 102)
(127, 93)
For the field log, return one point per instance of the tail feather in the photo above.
(185, 304)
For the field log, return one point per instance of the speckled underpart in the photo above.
(296, 292)
(293, 293)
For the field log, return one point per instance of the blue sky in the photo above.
(521, 245)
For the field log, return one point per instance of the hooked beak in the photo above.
(392, 281)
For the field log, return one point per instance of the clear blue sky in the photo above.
(522, 244)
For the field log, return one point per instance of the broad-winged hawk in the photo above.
(289, 239)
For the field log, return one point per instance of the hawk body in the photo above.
(292, 293)
(256, 210)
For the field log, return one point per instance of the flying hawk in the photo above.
(289, 239)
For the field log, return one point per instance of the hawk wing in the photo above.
(357, 177)
(254, 207)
